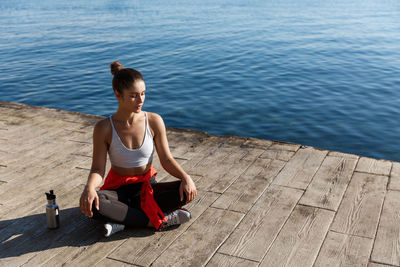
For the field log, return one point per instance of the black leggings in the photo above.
(122, 205)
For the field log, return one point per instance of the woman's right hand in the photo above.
(88, 196)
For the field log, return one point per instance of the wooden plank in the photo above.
(257, 143)
(181, 142)
(23, 153)
(240, 163)
(342, 155)
(254, 235)
(358, 214)
(29, 236)
(38, 136)
(86, 241)
(214, 161)
(330, 182)
(85, 163)
(223, 167)
(395, 177)
(10, 118)
(375, 264)
(41, 155)
(387, 242)
(284, 146)
(3, 126)
(85, 150)
(90, 252)
(76, 236)
(162, 174)
(299, 171)
(374, 166)
(23, 222)
(344, 250)
(200, 152)
(106, 262)
(300, 239)
(198, 244)
(36, 171)
(208, 149)
(245, 191)
(222, 260)
(79, 136)
(284, 155)
(16, 223)
(35, 126)
(141, 250)
(34, 197)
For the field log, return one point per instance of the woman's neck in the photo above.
(127, 117)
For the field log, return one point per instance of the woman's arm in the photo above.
(97, 170)
(167, 160)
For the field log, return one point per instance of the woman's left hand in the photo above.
(187, 186)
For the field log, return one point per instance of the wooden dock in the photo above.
(260, 203)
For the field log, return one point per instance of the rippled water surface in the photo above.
(320, 73)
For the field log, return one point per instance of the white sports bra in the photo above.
(124, 157)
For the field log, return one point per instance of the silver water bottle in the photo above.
(52, 211)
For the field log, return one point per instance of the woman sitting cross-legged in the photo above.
(130, 195)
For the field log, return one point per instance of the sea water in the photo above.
(319, 73)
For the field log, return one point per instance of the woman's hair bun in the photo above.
(115, 67)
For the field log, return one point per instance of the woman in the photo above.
(130, 195)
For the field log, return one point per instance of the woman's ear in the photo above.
(117, 94)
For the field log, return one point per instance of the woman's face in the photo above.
(133, 98)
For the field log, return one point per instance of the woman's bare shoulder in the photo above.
(156, 123)
(153, 117)
(102, 127)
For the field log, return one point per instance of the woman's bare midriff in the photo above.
(131, 171)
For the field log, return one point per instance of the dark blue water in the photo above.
(320, 73)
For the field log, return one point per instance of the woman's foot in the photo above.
(176, 217)
(112, 228)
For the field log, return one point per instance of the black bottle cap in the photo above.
(50, 196)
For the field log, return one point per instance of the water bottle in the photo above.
(52, 211)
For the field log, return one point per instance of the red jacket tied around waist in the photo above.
(147, 202)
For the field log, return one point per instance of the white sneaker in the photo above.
(176, 217)
(112, 228)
